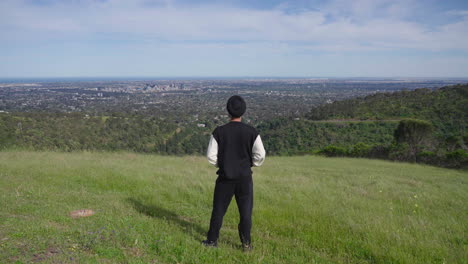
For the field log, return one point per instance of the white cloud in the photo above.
(356, 25)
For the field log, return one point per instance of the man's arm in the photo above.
(212, 151)
(258, 152)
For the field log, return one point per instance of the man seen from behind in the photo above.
(234, 148)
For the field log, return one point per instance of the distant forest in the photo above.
(422, 125)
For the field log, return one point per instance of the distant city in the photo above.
(195, 99)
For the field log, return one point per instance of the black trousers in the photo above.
(243, 192)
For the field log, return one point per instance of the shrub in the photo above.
(333, 151)
(379, 152)
(457, 158)
(359, 150)
(401, 152)
(428, 157)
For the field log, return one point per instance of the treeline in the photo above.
(77, 131)
(143, 133)
(434, 123)
(446, 108)
(412, 142)
(290, 137)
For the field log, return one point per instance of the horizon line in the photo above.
(234, 77)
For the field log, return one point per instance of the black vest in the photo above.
(235, 141)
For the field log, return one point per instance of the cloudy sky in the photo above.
(171, 38)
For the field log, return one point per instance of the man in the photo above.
(234, 148)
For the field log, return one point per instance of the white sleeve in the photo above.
(258, 152)
(212, 151)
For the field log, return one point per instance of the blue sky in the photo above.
(170, 38)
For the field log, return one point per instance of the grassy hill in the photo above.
(156, 209)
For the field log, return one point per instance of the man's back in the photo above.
(235, 142)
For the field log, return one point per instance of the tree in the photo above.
(413, 132)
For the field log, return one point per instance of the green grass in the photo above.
(156, 209)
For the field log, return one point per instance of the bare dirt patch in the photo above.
(135, 252)
(81, 213)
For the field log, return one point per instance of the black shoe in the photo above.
(247, 247)
(210, 243)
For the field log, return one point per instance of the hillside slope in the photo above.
(156, 209)
(372, 121)
(445, 107)
(303, 136)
